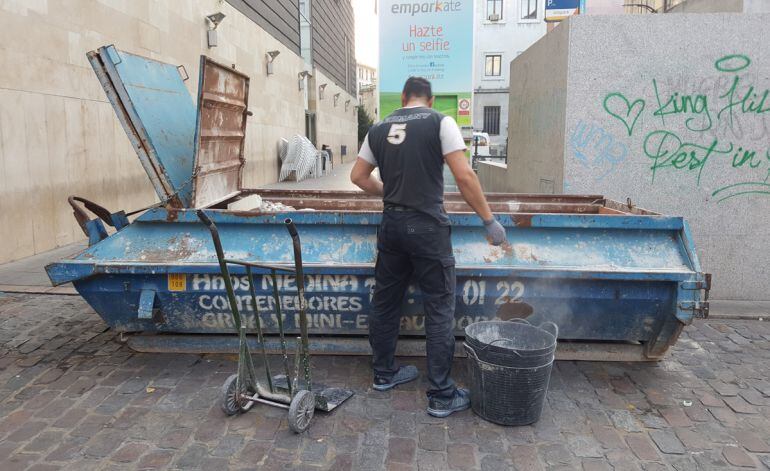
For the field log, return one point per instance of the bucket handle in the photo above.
(484, 347)
(470, 351)
(519, 320)
(549, 327)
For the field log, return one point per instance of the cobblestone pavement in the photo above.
(72, 397)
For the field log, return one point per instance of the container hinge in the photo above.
(146, 302)
(699, 309)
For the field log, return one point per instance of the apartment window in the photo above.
(528, 9)
(492, 120)
(492, 68)
(494, 10)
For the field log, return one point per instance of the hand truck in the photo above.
(241, 390)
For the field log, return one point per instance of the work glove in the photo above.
(495, 232)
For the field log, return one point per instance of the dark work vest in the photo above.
(407, 147)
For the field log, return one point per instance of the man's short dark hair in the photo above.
(417, 87)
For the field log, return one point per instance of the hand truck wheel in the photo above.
(301, 411)
(231, 402)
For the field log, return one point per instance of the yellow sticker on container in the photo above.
(177, 281)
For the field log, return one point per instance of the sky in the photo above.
(367, 28)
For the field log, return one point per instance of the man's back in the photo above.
(408, 147)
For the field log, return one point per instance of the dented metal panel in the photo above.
(223, 95)
(156, 111)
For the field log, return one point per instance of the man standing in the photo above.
(410, 147)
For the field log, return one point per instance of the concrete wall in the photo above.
(59, 135)
(536, 114)
(333, 120)
(493, 176)
(641, 121)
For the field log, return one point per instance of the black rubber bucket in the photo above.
(510, 367)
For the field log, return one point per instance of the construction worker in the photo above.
(410, 147)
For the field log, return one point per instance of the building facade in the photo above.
(504, 29)
(368, 95)
(59, 135)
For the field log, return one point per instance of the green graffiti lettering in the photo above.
(618, 106)
(732, 63)
(666, 149)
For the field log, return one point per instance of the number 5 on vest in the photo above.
(397, 133)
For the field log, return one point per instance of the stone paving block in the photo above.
(698, 413)
(675, 417)
(739, 405)
(461, 456)
(624, 420)
(725, 415)
(667, 442)
(401, 450)
(103, 444)
(738, 457)
(556, 454)
(751, 441)
(345, 444)
(155, 459)
(724, 389)
(754, 397)
(432, 438)
(526, 458)
(44, 441)
(431, 461)
(254, 452)
(607, 437)
(19, 461)
(492, 462)
(584, 446)
(67, 450)
(313, 451)
(26, 431)
(229, 445)
(370, 457)
(642, 447)
(595, 465)
(692, 440)
(129, 452)
(653, 421)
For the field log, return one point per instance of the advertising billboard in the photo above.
(558, 10)
(430, 39)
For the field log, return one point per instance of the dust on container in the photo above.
(619, 281)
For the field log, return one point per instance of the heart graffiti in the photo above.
(624, 111)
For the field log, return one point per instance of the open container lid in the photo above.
(193, 157)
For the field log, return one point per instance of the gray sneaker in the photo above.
(442, 407)
(403, 375)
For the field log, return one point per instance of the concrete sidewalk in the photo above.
(337, 179)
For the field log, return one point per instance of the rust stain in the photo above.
(514, 310)
(172, 215)
(522, 220)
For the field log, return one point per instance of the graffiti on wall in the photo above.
(725, 130)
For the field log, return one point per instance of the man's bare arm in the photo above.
(362, 177)
(468, 183)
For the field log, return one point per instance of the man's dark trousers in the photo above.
(414, 243)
